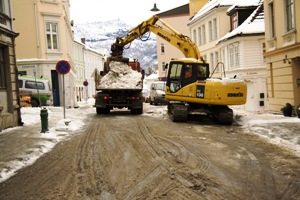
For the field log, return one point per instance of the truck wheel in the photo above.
(35, 103)
(99, 111)
(106, 110)
(151, 102)
(155, 102)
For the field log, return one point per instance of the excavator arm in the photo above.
(178, 40)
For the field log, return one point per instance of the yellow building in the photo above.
(282, 56)
(45, 38)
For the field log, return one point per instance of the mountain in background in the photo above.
(101, 35)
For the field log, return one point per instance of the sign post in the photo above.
(86, 83)
(63, 67)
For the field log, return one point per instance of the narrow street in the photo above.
(123, 156)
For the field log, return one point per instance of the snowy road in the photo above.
(120, 156)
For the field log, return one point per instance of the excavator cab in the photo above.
(184, 72)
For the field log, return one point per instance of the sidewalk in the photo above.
(21, 146)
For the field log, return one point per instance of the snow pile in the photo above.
(121, 76)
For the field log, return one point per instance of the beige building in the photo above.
(178, 19)
(282, 19)
(9, 97)
(45, 38)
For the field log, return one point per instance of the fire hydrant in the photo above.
(44, 120)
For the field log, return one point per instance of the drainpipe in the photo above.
(37, 30)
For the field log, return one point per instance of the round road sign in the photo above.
(63, 67)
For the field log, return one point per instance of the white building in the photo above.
(232, 32)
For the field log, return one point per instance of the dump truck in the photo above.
(120, 86)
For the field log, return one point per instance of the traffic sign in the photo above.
(85, 83)
(63, 67)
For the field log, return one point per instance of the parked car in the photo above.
(38, 90)
(145, 95)
(157, 93)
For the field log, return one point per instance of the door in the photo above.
(55, 88)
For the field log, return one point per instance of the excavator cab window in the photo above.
(174, 77)
(201, 72)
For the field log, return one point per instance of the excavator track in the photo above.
(179, 112)
(221, 114)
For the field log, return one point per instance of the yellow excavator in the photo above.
(190, 87)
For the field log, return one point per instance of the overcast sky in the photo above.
(133, 12)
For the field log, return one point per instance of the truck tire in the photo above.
(99, 111)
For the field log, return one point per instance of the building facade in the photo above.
(230, 36)
(9, 96)
(178, 19)
(46, 37)
(282, 52)
(88, 64)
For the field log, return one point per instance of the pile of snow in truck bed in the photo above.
(121, 76)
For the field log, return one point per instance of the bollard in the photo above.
(44, 120)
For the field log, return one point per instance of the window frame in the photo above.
(289, 15)
(203, 34)
(271, 20)
(51, 34)
(162, 48)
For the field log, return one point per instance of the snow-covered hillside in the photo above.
(103, 34)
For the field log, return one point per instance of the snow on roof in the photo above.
(254, 24)
(212, 4)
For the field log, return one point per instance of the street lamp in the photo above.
(154, 9)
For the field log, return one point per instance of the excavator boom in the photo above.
(178, 40)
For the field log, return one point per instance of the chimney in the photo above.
(83, 40)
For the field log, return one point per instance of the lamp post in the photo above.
(154, 9)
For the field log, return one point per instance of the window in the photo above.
(272, 24)
(203, 34)
(4, 7)
(175, 70)
(234, 21)
(2, 70)
(210, 31)
(234, 55)
(289, 12)
(175, 77)
(188, 71)
(162, 48)
(237, 55)
(195, 36)
(263, 47)
(200, 37)
(163, 64)
(52, 35)
(211, 61)
(34, 85)
(215, 29)
(216, 61)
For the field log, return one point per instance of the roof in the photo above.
(253, 25)
(184, 9)
(214, 4)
